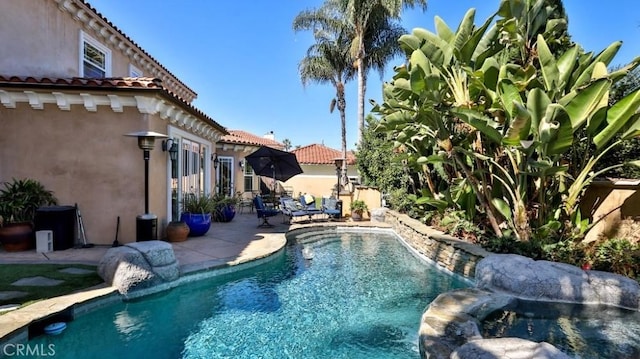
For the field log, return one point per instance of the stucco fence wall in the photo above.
(458, 256)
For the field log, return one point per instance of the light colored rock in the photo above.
(139, 265)
(550, 281)
(377, 214)
(508, 348)
(157, 253)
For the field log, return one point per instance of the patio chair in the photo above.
(308, 203)
(246, 200)
(330, 208)
(263, 212)
(291, 209)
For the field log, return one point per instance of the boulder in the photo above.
(139, 265)
(377, 214)
(550, 281)
(507, 348)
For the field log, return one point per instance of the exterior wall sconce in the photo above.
(215, 160)
(170, 145)
(241, 164)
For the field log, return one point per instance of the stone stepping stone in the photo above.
(37, 282)
(73, 270)
(11, 294)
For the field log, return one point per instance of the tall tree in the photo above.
(287, 144)
(328, 60)
(374, 40)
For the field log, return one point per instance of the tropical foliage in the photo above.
(21, 198)
(483, 117)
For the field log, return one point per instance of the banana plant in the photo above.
(501, 127)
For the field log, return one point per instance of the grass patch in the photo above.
(10, 273)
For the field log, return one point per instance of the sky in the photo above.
(241, 57)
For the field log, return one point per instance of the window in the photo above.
(248, 177)
(95, 58)
(135, 72)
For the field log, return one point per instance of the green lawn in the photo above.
(10, 273)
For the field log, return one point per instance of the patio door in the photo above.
(189, 174)
(225, 175)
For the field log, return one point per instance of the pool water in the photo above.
(582, 331)
(361, 296)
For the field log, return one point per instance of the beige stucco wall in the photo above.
(318, 180)
(609, 203)
(44, 41)
(84, 158)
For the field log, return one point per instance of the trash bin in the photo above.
(61, 221)
(146, 227)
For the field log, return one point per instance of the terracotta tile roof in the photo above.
(246, 138)
(317, 154)
(85, 3)
(109, 84)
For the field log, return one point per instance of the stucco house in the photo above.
(319, 177)
(234, 176)
(71, 86)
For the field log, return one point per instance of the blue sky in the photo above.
(242, 57)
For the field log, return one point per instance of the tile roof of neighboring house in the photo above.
(246, 138)
(317, 154)
(85, 3)
(105, 84)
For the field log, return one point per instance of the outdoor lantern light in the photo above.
(147, 223)
(215, 160)
(171, 146)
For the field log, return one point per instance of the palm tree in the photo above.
(287, 144)
(375, 36)
(328, 60)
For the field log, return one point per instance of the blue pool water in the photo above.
(361, 296)
(582, 331)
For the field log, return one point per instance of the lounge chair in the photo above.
(291, 209)
(263, 212)
(308, 203)
(330, 208)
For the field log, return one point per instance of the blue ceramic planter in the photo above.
(225, 213)
(198, 223)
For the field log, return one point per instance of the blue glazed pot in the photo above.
(228, 212)
(198, 223)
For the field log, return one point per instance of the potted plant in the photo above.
(224, 208)
(357, 209)
(196, 213)
(19, 201)
(177, 231)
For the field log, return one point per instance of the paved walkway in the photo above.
(225, 242)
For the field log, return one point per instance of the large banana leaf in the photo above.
(617, 117)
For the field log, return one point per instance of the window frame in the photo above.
(86, 39)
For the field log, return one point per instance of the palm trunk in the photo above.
(342, 106)
(362, 89)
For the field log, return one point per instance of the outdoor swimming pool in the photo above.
(361, 296)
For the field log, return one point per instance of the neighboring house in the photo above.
(71, 86)
(234, 176)
(318, 164)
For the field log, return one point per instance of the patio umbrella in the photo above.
(269, 162)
